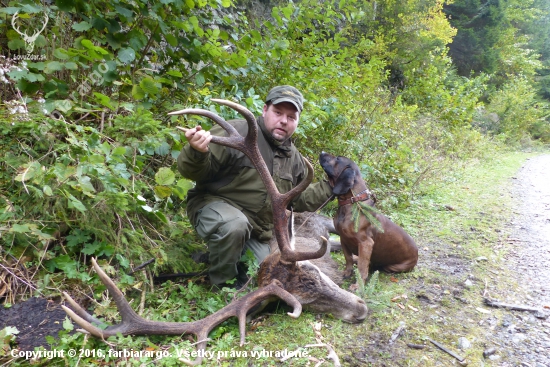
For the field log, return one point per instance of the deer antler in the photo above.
(248, 145)
(133, 324)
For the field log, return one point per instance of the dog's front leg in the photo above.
(348, 255)
(365, 252)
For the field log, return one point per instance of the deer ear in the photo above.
(345, 181)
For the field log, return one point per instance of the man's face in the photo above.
(281, 120)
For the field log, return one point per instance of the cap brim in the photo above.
(280, 100)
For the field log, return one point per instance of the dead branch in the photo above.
(492, 303)
(139, 267)
(416, 346)
(397, 332)
(446, 350)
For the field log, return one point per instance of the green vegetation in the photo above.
(87, 152)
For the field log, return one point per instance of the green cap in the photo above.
(286, 93)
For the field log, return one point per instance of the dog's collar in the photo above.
(362, 196)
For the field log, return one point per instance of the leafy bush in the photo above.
(70, 192)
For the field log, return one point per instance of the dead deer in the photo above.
(285, 274)
(314, 282)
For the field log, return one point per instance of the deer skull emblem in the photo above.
(29, 40)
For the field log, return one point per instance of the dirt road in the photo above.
(522, 339)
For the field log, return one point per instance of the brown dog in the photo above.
(392, 250)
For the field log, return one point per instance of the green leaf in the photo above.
(226, 3)
(29, 8)
(20, 228)
(53, 66)
(87, 43)
(175, 73)
(137, 92)
(64, 5)
(148, 86)
(68, 265)
(120, 151)
(86, 184)
(36, 65)
(171, 39)
(91, 248)
(71, 65)
(163, 191)
(63, 105)
(126, 55)
(10, 10)
(74, 203)
(28, 171)
(160, 215)
(127, 13)
(104, 100)
(199, 79)
(82, 26)
(124, 262)
(61, 54)
(77, 237)
(90, 46)
(256, 35)
(63, 172)
(182, 187)
(165, 176)
(67, 324)
(16, 44)
(47, 190)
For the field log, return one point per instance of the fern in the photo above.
(369, 212)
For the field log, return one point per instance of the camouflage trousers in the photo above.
(227, 232)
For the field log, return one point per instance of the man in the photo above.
(229, 206)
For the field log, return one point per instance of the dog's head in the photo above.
(341, 171)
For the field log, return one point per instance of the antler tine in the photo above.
(133, 324)
(15, 16)
(45, 23)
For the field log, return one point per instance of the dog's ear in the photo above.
(345, 181)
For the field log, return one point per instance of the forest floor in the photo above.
(483, 234)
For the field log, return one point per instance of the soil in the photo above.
(511, 338)
(35, 319)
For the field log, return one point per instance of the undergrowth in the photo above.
(460, 230)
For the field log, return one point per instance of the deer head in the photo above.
(309, 280)
(29, 40)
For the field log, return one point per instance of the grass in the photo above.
(460, 227)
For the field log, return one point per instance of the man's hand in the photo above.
(198, 138)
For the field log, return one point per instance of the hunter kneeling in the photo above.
(229, 206)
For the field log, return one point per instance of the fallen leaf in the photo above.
(482, 310)
(546, 306)
(413, 308)
(393, 279)
(401, 306)
(396, 298)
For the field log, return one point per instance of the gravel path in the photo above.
(522, 339)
